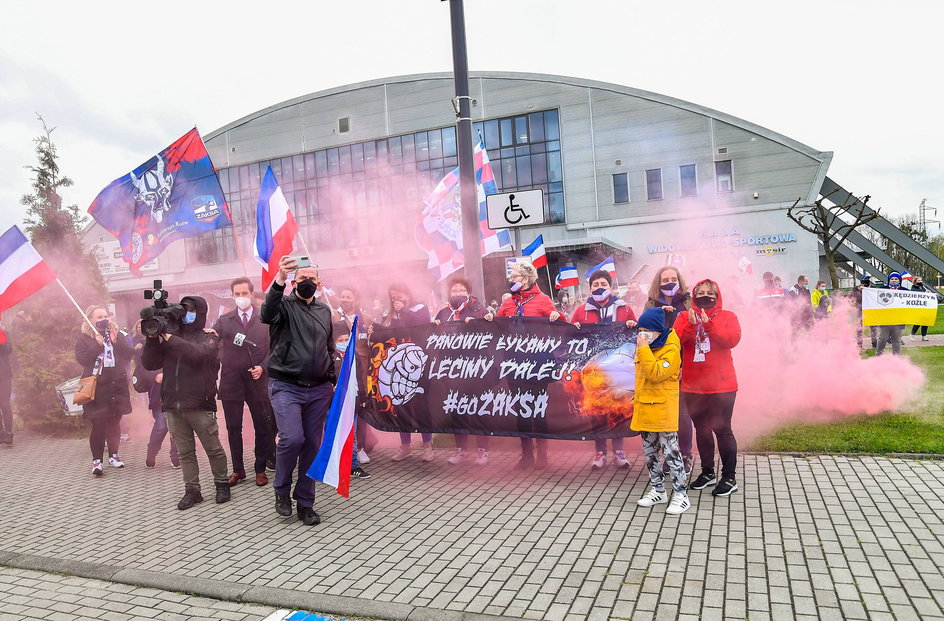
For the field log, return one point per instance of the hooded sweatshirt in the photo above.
(189, 361)
(707, 365)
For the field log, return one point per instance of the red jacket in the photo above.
(536, 304)
(716, 373)
(589, 314)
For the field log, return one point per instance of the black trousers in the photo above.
(104, 430)
(711, 415)
(924, 330)
(263, 425)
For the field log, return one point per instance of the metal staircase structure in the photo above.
(857, 261)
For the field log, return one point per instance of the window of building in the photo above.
(654, 184)
(621, 188)
(344, 125)
(688, 180)
(724, 176)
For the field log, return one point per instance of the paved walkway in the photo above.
(823, 537)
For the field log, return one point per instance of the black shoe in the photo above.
(704, 480)
(191, 497)
(149, 462)
(725, 488)
(283, 505)
(308, 517)
(222, 493)
(175, 463)
(270, 464)
(360, 473)
(6, 437)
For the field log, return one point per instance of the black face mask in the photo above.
(306, 288)
(706, 302)
(457, 300)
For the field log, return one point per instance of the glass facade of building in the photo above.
(360, 194)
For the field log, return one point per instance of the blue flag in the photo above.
(173, 195)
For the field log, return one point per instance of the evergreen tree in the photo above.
(44, 345)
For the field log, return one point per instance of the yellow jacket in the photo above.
(816, 296)
(656, 402)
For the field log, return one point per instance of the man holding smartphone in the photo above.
(301, 381)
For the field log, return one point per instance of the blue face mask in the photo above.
(189, 318)
(341, 346)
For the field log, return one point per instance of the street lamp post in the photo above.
(470, 208)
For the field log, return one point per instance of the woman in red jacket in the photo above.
(709, 383)
(527, 300)
(603, 306)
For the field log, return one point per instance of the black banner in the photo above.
(507, 377)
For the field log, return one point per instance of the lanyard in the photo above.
(521, 304)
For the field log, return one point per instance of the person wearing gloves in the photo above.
(656, 409)
(527, 300)
(603, 306)
(709, 383)
(890, 334)
(463, 307)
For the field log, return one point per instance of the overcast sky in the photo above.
(122, 80)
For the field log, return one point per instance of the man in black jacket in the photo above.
(243, 380)
(301, 379)
(189, 363)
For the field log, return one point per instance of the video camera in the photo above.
(162, 317)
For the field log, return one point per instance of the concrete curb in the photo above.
(915, 456)
(241, 593)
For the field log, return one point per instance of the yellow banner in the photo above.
(890, 307)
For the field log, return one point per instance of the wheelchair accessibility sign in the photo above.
(511, 209)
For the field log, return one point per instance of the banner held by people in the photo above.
(515, 377)
(332, 465)
(173, 195)
(890, 307)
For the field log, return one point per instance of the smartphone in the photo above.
(301, 262)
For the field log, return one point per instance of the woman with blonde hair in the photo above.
(527, 300)
(104, 353)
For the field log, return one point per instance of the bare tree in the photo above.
(823, 221)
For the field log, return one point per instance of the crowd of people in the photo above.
(280, 361)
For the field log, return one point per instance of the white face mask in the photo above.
(600, 295)
(242, 303)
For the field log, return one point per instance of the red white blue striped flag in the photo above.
(275, 228)
(23, 271)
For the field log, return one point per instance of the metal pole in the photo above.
(470, 208)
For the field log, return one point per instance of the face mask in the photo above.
(600, 295)
(649, 336)
(514, 287)
(670, 289)
(564, 300)
(866, 284)
(894, 284)
(189, 318)
(306, 288)
(102, 326)
(242, 303)
(457, 300)
(342, 346)
(822, 289)
(705, 301)
(806, 286)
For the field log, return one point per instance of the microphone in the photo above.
(240, 338)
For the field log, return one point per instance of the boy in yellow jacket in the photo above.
(656, 408)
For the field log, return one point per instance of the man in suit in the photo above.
(243, 380)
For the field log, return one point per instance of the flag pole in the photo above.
(79, 308)
(550, 285)
(239, 249)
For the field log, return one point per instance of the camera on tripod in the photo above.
(162, 317)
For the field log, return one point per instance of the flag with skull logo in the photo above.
(173, 195)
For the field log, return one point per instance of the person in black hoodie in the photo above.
(150, 383)
(189, 363)
(463, 307)
(301, 382)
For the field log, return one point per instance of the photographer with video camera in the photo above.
(301, 381)
(244, 348)
(105, 355)
(177, 344)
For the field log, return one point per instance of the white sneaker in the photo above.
(362, 456)
(914, 337)
(428, 454)
(619, 459)
(924, 338)
(679, 504)
(654, 497)
(97, 468)
(481, 458)
(116, 462)
(458, 458)
(599, 460)
(403, 453)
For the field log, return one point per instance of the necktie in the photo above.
(245, 321)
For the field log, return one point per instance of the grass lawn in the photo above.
(920, 430)
(938, 327)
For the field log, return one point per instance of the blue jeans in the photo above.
(300, 413)
(158, 432)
